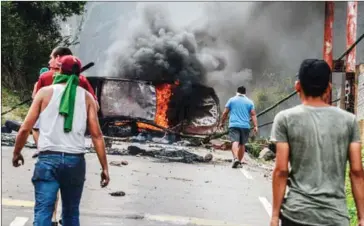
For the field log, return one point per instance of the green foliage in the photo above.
(350, 201)
(10, 98)
(349, 197)
(274, 88)
(30, 30)
(254, 148)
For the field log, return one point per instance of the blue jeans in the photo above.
(53, 172)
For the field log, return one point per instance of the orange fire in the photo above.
(164, 93)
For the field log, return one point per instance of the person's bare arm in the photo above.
(97, 138)
(224, 116)
(253, 115)
(27, 126)
(34, 90)
(280, 173)
(280, 176)
(357, 179)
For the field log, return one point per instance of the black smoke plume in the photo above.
(156, 51)
(226, 45)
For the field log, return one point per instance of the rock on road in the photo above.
(157, 193)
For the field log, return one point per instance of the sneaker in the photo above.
(235, 163)
(60, 221)
(54, 224)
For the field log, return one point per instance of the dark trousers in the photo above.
(53, 172)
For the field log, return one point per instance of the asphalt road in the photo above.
(157, 193)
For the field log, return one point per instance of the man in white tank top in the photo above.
(64, 110)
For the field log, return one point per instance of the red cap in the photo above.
(66, 64)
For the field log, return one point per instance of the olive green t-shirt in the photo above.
(319, 139)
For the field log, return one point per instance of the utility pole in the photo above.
(328, 38)
(351, 22)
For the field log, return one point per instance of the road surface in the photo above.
(157, 193)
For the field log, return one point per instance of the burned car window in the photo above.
(128, 98)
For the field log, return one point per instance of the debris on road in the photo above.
(8, 139)
(134, 150)
(267, 154)
(221, 144)
(186, 150)
(178, 178)
(208, 157)
(117, 193)
(119, 163)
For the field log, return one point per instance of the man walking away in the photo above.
(316, 139)
(36, 126)
(241, 110)
(46, 79)
(65, 110)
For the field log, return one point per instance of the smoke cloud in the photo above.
(156, 50)
(221, 44)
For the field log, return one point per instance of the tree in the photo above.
(30, 30)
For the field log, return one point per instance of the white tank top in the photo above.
(52, 136)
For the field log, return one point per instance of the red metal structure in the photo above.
(351, 22)
(328, 36)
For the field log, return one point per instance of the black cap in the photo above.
(314, 75)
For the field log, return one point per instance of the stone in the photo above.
(221, 144)
(115, 163)
(119, 163)
(208, 157)
(267, 154)
(134, 150)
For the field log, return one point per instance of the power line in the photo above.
(293, 93)
(269, 123)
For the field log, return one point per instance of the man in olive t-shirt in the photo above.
(317, 140)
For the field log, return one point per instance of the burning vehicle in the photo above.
(129, 107)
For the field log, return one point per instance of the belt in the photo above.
(60, 153)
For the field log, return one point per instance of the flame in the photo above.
(120, 123)
(164, 93)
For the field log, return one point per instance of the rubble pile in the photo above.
(168, 147)
(8, 139)
(168, 153)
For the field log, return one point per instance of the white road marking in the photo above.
(169, 219)
(179, 220)
(172, 220)
(267, 206)
(14, 202)
(19, 221)
(246, 174)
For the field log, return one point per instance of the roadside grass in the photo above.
(350, 198)
(9, 99)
